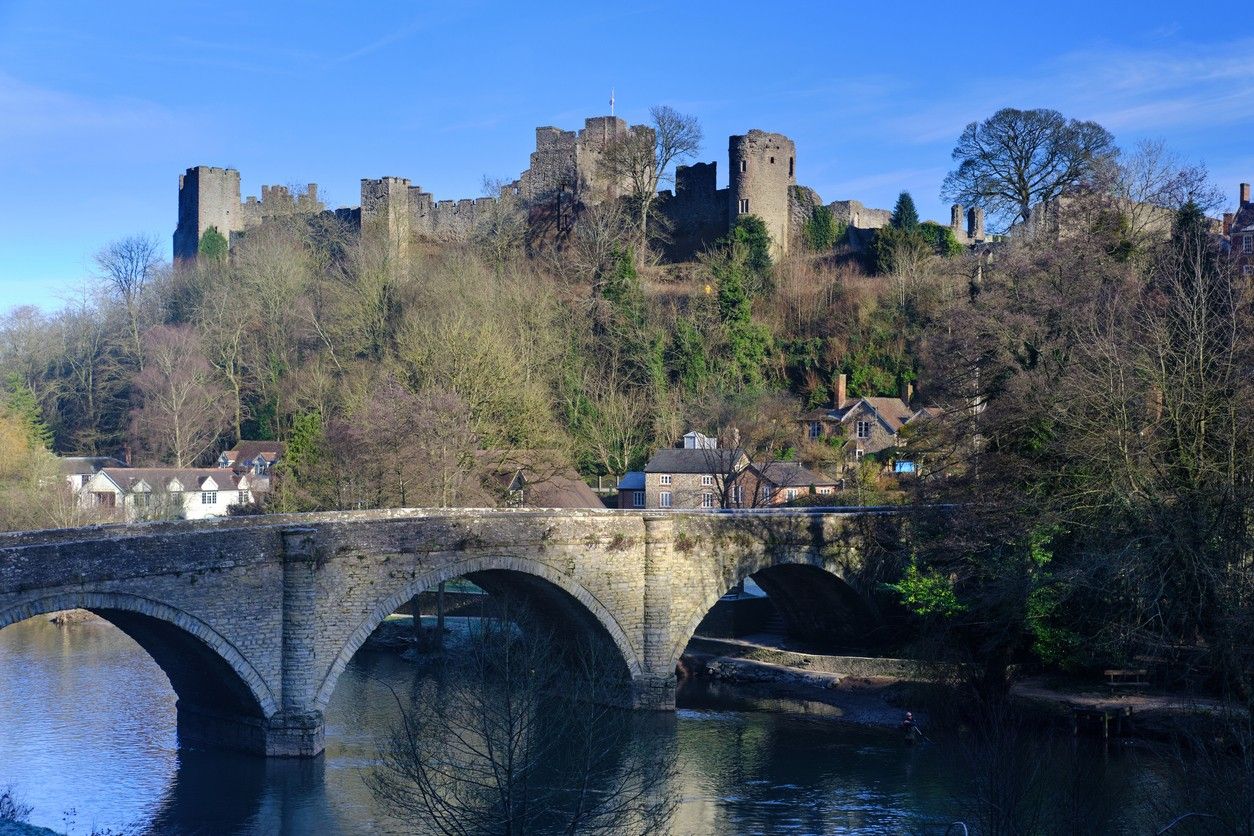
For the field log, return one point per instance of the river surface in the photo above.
(87, 738)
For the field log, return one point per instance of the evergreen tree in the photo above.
(19, 402)
(750, 234)
(213, 245)
(905, 216)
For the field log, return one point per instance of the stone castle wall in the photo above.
(566, 175)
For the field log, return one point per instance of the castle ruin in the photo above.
(566, 175)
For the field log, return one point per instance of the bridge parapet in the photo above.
(271, 608)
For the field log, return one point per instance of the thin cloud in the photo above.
(1135, 90)
(29, 112)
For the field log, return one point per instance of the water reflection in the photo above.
(87, 721)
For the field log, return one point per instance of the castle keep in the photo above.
(567, 174)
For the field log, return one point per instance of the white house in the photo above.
(191, 493)
(77, 470)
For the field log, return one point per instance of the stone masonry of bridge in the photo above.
(253, 619)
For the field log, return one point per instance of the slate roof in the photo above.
(248, 451)
(73, 465)
(791, 475)
(191, 478)
(684, 460)
(633, 481)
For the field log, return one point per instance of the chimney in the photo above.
(955, 216)
(907, 392)
(1228, 216)
(841, 391)
(1245, 193)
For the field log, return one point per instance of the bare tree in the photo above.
(515, 736)
(408, 449)
(1018, 158)
(184, 409)
(644, 158)
(501, 229)
(128, 266)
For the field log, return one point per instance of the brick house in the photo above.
(778, 483)
(1238, 230)
(868, 425)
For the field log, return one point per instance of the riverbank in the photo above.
(876, 691)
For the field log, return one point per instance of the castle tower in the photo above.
(208, 197)
(763, 171)
(385, 212)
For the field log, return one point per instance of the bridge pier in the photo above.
(654, 688)
(282, 736)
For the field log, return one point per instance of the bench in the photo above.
(1119, 677)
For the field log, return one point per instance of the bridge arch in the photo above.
(813, 597)
(216, 685)
(497, 572)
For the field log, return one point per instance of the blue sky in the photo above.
(102, 105)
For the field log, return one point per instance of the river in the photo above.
(87, 738)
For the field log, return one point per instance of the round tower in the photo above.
(763, 172)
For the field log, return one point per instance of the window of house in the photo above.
(637, 499)
(666, 478)
(1247, 243)
(768, 492)
(664, 499)
(816, 429)
(859, 453)
(823, 491)
(707, 480)
(105, 499)
(738, 494)
(744, 205)
(142, 500)
(707, 500)
(208, 497)
(864, 429)
(791, 494)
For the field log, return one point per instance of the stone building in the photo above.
(1238, 232)
(869, 425)
(566, 175)
(209, 197)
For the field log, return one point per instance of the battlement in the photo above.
(567, 174)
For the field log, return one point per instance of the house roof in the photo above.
(790, 475)
(247, 451)
(633, 481)
(893, 412)
(128, 479)
(681, 460)
(71, 465)
(541, 475)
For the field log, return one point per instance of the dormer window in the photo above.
(864, 429)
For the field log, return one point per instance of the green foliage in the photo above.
(750, 234)
(748, 342)
(213, 245)
(17, 399)
(821, 231)
(690, 367)
(303, 474)
(905, 216)
(940, 238)
(927, 593)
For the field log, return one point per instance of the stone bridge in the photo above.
(254, 618)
